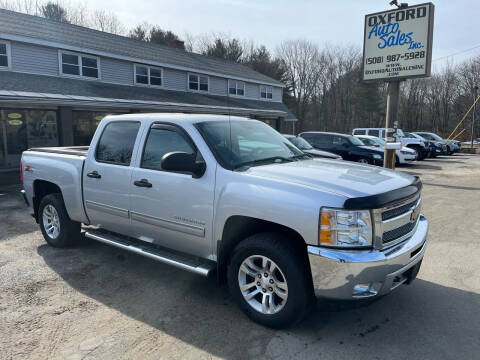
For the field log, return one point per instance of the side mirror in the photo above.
(182, 162)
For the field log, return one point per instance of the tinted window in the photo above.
(374, 133)
(359, 132)
(117, 141)
(161, 141)
(339, 140)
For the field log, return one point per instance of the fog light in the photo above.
(366, 290)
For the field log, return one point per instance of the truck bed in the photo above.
(67, 150)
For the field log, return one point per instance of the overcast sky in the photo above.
(269, 22)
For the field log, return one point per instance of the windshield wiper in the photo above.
(264, 161)
(304, 156)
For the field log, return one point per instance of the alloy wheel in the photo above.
(262, 284)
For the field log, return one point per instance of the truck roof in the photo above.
(177, 117)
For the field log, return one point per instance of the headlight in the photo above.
(377, 156)
(345, 228)
(405, 152)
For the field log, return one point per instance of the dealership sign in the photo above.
(398, 43)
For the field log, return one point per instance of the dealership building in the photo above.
(57, 81)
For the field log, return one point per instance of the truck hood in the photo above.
(335, 176)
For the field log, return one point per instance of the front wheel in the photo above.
(57, 228)
(364, 161)
(269, 279)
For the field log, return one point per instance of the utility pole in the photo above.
(393, 92)
(475, 92)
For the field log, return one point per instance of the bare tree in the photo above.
(303, 65)
(106, 21)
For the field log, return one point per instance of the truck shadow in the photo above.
(197, 311)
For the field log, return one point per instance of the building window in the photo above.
(198, 82)
(73, 64)
(147, 75)
(21, 129)
(266, 92)
(5, 61)
(84, 125)
(236, 88)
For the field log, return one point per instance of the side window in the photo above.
(308, 137)
(116, 143)
(359, 132)
(161, 141)
(374, 133)
(338, 140)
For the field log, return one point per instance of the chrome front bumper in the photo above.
(351, 274)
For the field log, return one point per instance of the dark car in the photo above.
(434, 148)
(347, 146)
(303, 145)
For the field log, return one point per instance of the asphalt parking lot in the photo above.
(98, 302)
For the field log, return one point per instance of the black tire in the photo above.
(69, 231)
(420, 154)
(397, 160)
(364, 161)
(293, 264)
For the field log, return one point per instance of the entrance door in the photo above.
(21, 129)
(174, 209)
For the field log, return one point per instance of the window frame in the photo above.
(266, 87)
(236, 88)
(80, 65)
(9, 55)
(198, 77)
(149, 68)
(171, 127)
(139, 132)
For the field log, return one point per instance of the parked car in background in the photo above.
(415, 144)
(451, 147)
(434, 148)
(347, 146)
(402, 156)
(303, 145)
(231, 196)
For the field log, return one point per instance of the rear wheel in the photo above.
(57, 228)
(268, 277)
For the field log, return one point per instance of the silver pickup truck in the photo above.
(231, 196)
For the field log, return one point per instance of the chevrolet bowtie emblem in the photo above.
(415, 213)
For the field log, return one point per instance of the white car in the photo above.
(415, 144)
(403, 156)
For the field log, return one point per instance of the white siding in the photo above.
(218, 86)
(277, 94)
(34, 59)
(175, 80)
(116, 71)
(252, 91)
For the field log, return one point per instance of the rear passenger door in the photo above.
(107, 174)
(175, 210)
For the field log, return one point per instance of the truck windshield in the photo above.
(238, 144)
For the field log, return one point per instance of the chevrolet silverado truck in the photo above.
(231, 196)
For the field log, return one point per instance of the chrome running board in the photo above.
(152, 252)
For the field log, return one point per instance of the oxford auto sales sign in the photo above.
(398, 43)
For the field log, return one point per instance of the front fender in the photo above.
(292, 205)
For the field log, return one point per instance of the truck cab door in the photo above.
(169, 208)
(107, 174)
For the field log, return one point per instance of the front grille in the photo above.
(398, 232)
(390, 214)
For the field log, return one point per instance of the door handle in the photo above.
(142, 183)
(94, 175)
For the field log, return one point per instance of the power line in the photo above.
(457, 53)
